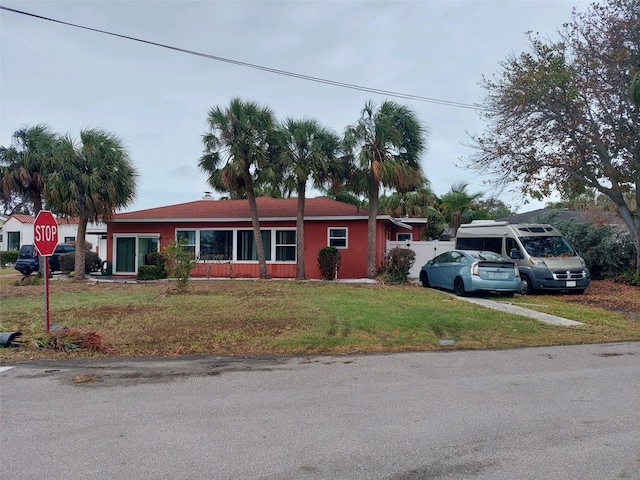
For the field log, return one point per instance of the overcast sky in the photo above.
(157, 100)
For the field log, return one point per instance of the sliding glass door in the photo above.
(125, 255)
(128, 249)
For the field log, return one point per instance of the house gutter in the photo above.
(236, 219)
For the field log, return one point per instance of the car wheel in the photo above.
(525, 286)
(424, 278)
(458, 287)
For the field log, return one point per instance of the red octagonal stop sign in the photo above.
(45, 233)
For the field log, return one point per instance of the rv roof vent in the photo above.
(487, 223)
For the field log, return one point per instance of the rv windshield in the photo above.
(545, 246)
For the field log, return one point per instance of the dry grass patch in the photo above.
(285, 317)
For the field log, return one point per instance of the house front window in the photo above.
(239, 244)
(190, 237)
(246, 246)
(216, 244)
(13, 240)
(338, 237)
(403, 237)
(285, 245)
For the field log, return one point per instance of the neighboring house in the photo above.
(3, 218)
(220, 235)
(17, 230)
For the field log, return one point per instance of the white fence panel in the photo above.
(424, 251)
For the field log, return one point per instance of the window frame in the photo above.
(331, 238)
(190, 246)
(267, 251)
(271, 250)
(11, 236)
(223, 256)
(278, 247)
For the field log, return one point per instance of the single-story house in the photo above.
(17, 230)
(220, 235)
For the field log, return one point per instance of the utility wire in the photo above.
(257, 67)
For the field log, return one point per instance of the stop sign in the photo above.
(45, 233)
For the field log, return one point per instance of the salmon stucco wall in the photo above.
(354, 256)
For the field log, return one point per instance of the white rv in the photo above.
(544, 257)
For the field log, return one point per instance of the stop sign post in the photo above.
(45, 239)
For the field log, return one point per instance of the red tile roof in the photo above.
(239, 209)
(23, 218)
(30, 219)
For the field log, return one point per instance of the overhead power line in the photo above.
(276, 71)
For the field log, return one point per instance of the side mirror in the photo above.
(516, 254)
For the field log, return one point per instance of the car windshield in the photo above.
(547, 246)
(490, 256)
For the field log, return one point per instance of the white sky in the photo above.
(157, 100)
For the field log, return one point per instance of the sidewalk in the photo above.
(510, 308)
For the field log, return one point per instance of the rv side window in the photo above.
(480, 243)
(469, 243)
(493, 245)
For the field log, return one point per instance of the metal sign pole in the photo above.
(46, 293)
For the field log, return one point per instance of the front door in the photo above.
(125, 255)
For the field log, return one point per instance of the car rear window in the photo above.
(26, 251)
(65, 249)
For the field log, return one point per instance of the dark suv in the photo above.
(28, 258)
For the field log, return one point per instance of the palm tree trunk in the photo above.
(255, 222)
(81, 236)
(372, 269)
(36, 199)
(457, 221)
(300, 273)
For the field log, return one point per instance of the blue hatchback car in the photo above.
(465, 271)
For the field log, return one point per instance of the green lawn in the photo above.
(249, 317)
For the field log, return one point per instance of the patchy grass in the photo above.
(285, 317)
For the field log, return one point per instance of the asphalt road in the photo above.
(537, 413)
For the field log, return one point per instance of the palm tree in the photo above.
(236, 148)
(418, 203)
(25, 164)
(92, 179)
(386, 143)
(307, 151)
(457, 205)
